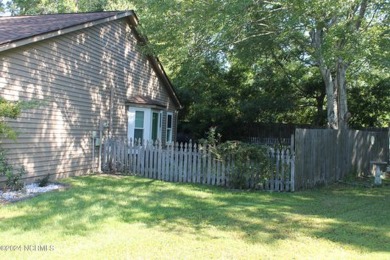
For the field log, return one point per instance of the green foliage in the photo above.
(370, 104)
(29, 7)
(13, 181)
(251, 162)
(212, 97)
(256, 61)
(5, 168)
(272, 44)
(44, 181)
(33, 7)
(11, 110)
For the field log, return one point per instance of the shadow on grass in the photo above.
(356, 217)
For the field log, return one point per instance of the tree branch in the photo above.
(362, 12)
(252, 36)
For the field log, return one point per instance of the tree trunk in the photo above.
(320, 101)
(336, 94)
(331, 97)
(343, 115)
(330, 84)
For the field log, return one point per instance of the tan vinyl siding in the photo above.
(75, 74)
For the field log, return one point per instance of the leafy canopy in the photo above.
(263, 61)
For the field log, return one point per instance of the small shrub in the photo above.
(5, 167)
(13, 181)
(44, 181)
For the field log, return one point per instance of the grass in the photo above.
(111, 217)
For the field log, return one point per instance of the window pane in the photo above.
(155, 126)
(139, 119)
(169, 136)
(169, 123)
(138, 134)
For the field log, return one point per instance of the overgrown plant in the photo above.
(212, 141)
(251, 164)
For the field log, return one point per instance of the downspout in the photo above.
(101, 128)
(176, 121)
(111, 111)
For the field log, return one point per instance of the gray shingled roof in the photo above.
(13, 28)
(144, 100)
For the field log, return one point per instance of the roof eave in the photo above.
(156, 64)
(166, 81)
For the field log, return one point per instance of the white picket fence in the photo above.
(190, 163)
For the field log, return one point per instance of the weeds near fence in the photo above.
(252, 165)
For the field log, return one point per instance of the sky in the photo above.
(3, 14)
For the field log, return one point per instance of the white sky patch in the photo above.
(4, 5)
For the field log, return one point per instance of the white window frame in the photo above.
(148, 122)
(159, 124)
(169, 134)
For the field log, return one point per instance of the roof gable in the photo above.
(21, 30)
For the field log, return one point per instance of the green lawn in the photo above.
(109, 217)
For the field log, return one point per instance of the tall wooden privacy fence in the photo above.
(192, 163)
(324, 156)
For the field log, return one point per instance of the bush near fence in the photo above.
(194, 163)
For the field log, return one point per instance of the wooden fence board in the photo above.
(188, 163)
(324, 156)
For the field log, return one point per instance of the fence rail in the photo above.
(192, 163)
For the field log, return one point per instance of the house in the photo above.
(94, 81)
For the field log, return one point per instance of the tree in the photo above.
(346, 27)
(30, 7)
(331, 35)
(370, 103)
(292, 57)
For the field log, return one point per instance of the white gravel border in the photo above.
(28, 191)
